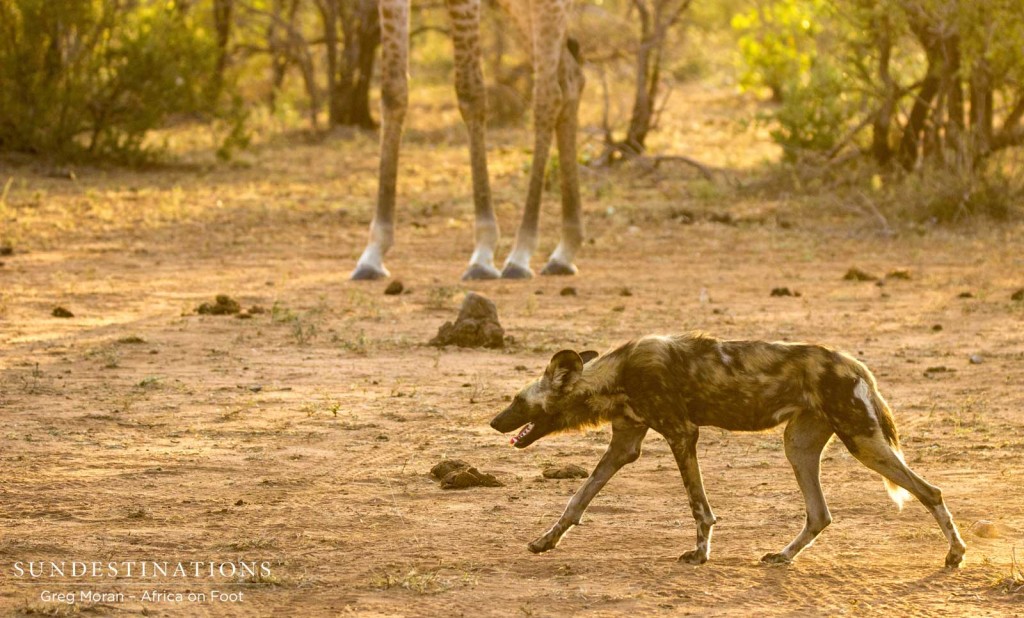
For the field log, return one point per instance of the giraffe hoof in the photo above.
(559, 269)
(366, 272)
(774, 558)
(477, 272)
(515, 271)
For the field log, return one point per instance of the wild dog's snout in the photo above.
(512, 417)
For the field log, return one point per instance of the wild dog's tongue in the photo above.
(521, 434)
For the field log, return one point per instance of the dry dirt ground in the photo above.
(138, 430)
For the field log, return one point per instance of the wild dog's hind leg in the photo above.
(874, 452)
(806, 436)
(684, 447)
(624, 449)
(861, 418)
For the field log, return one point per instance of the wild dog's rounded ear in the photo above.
(589, 355)
(564, 369)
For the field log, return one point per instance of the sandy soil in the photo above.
(303, 437)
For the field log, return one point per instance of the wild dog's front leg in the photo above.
(684, 447)
(624, 449)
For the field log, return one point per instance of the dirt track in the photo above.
(303, 436)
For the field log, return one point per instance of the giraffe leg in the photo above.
(572, 81)
(394, 26)
(469, 86)
(548, 23)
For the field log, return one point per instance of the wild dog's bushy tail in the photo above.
(888, 426)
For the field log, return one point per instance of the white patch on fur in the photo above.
(532, 395)
(726, 359)
(863, 392)
(783, 413)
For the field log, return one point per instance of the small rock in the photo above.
(936, 327)
(568, 291)
(223, 305)
(976, 359)
(239, 502)
(722, 217)
(965, 295)
(571, 471)
(784, 292)
(538, 292)
(394, 288)
(986, 529)
(61, 312)
(899, 273)
(856, 274)
(1018, 295)
(6, 250)
(625, 292)
(619, 308)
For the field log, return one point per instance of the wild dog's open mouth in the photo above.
(522, 434)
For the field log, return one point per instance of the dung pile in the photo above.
(223, 305)
(476, 327)
(571, 471)
(457, 474)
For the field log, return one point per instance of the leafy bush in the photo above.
(93, 77)
(777, 42)
(933, 84)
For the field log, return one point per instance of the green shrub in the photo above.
(93, 77)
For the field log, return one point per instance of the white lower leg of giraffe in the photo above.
(517, 265)
(371, 263)
(481, 263)
(560, 262)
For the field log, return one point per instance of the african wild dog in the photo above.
(676, 384)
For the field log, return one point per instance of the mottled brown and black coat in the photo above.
(677, 384)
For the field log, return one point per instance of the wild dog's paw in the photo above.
(543, 544)
(774, 558)
(954, 559)
(693, 556)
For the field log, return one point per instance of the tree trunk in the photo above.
(223, 18)
(881, 150)
(910, 146)
(350, 95)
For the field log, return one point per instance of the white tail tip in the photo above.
(897, 493)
